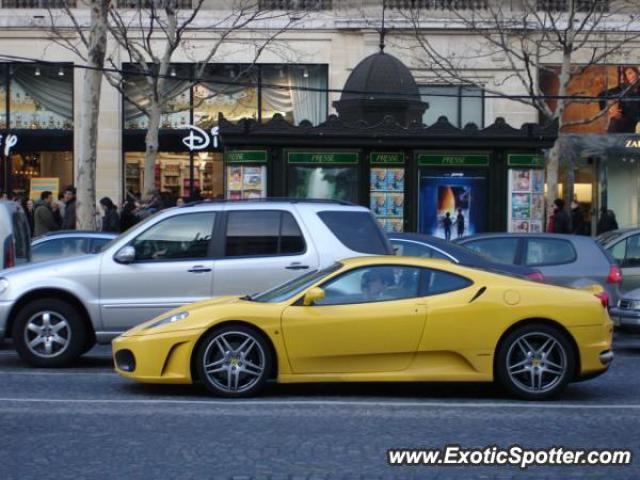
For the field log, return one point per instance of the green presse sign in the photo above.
(525, 160)
(322, 157)
(454, 159)
(396, 158)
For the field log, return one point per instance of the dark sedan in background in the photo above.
(416, 245)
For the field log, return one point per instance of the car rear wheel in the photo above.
(535, 362)
(49, 333)
(234, 361)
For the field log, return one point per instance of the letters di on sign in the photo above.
(632, 143)
(9, 143)
(198, 139)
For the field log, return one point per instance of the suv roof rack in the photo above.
(272, 199)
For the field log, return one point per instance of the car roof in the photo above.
(289, 200)
(559, 236)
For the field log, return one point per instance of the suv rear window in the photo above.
(357, 231)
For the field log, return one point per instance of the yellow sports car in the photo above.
(379, 319)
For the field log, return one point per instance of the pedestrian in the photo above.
(43, 218)
(196, 196)
(607, 221)
(69, 215)
(180, 202)
(110, 219)
(460, 223)
(129, 215)
(61, 206)
(561, 219)
(29, 211)
(577, 219)
(446, 221)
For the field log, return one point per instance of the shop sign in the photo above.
(322, 157)
(199, 139)
(43, 184)
(9, 142)
(454, 160)
(632, 142)
(246, 156)
(387, 157)
(525, 160)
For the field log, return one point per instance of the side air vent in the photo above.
(478, 294)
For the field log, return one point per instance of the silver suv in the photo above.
(55, 311)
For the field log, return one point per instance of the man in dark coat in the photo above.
(43, 218)
(562, 221)
(69, 219)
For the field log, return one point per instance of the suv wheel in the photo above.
(49, 333)
(234, 361)
(535, 362)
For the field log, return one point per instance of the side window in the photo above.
(632, 254)
(547, 251)
(179, 237)
(411, 249)
(501, 250)
(22, 235)
(98, 243)
(436, 282)
(618, 251)
(262, 233)
(372, 284)
(358, 231)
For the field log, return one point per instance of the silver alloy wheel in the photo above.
(234, 361)
(47, 334)
(536, 362)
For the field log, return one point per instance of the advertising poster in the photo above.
(387, 197)
(44, 184)
(336, 183)
(245, 182)
(452, 203)
(603, 82)
(526, 200)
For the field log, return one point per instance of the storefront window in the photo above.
(226, 89)
(41, 97)
(461, 105)
(176, 113)
(52, 168)
(297, 92)
(327, 182)
(172, 174)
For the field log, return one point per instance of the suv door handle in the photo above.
(297, 266)
(199, 269)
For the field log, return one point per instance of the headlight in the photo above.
(168, 320)
(4, 285)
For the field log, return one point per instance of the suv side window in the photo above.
(180, 237)
(549, 251)
(383, 283)
(501, 250)
(262, 233)
(435, 282)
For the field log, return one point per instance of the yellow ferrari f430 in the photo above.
(379, 319)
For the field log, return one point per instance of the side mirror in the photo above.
(312, 296)
(125, 255)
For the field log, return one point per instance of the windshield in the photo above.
(607, 237)
(291, 288)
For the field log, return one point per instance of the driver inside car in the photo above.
(374, 284)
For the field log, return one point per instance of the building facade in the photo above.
(300, 77)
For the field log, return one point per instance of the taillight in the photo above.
(9, 253)
(615, 274)
(604, 299)
(536, 276)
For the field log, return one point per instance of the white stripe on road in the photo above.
(328, 403)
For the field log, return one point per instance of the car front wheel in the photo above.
(234, 361)
(49, 333)
(535, 362)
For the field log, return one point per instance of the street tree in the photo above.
(527, 38)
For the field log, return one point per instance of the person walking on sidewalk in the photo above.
(43, 218)
(562, 221)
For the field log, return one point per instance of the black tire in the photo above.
(75, 332)
(542, 378)
(238, 370)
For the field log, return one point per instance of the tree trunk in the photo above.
(151, 151)
(553, 163)
(89, 112)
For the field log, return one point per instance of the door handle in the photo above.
(297, 266)
(199, 269)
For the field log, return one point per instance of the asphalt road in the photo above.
(87, 422)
